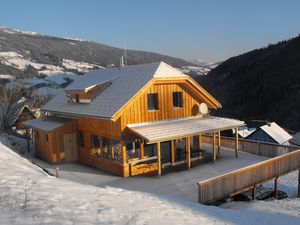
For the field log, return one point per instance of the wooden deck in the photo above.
(245, 178)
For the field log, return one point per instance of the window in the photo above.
(177, 99)
(150, 150)
(81, 139)
(133, 150)
(77, 98)
(46, 137)
(106, 147)
(96, 144)
(37, 135)
(116, 150)
(152, 102)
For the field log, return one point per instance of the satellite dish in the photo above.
(203, 109)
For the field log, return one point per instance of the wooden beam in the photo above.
(219, 143)
(158, 159)
(188, 151)
(27, 140)
(253, 193)
(142, 149)
(172, 152)
(236, 141)
(275, 188)
(200, 146)
(124, 156)
(214, 147)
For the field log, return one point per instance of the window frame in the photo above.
(154, 101)
(177, 99)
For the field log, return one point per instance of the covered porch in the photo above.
(178, 143)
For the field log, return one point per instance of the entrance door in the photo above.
(70, 147)
(166, 151)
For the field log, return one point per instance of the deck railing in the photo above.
(254, 147)
(234, 182)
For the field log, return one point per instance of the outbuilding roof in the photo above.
(276, 132)
(178, 128)
(46, 124)
(125, 83)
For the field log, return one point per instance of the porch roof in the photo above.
(46, 124)
(178, 128)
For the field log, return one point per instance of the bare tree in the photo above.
(10, 102)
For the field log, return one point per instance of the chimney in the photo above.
(122, 62)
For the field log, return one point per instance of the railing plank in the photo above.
(225, 185)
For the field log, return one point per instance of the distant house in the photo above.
(271, 133)
(130, 120)
(23, 114)
(244, 131)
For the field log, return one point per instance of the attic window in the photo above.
(152, 102)
(177, 99)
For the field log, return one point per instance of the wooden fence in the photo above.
(254, 147)
(237, 181)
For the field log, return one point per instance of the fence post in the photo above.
(299, 183)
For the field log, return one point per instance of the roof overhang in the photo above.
(179, 128)
(47, 124)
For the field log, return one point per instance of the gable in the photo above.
(136, 110)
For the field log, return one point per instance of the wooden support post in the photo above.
(124, 156)
(200, 146)
(299, 183)
(142, 149)
(275, 188)
(236, 141)
(172, 152)
(28, 140)
(188, 151)
(158, 159)
(214, 147)
(253, 192)
(219, 143)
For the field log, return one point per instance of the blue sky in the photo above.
(211, 30)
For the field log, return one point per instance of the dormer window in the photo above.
(86, 94)
(77, 98)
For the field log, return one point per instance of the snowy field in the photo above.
(30, 196)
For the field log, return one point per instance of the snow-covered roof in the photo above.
(244, 131)
(125, 83)
(46, 124)
(276, 132)
(172, 129)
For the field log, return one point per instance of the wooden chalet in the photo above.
(23, 114)
(130, 121)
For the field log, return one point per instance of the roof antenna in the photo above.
(125, 56)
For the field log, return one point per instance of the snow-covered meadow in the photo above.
(28, 195)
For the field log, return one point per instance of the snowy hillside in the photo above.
(30, 196)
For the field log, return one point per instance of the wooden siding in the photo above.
(234, 182)
(137, 111)
(103, 128)
(254, 147)
(52, 150)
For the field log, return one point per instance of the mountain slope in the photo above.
(43, 49)
(261, 84)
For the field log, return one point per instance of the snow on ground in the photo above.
(7, 77)
(46, 91)
(198, 70)
(60, 78)
(79, 66)
(30, 196)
